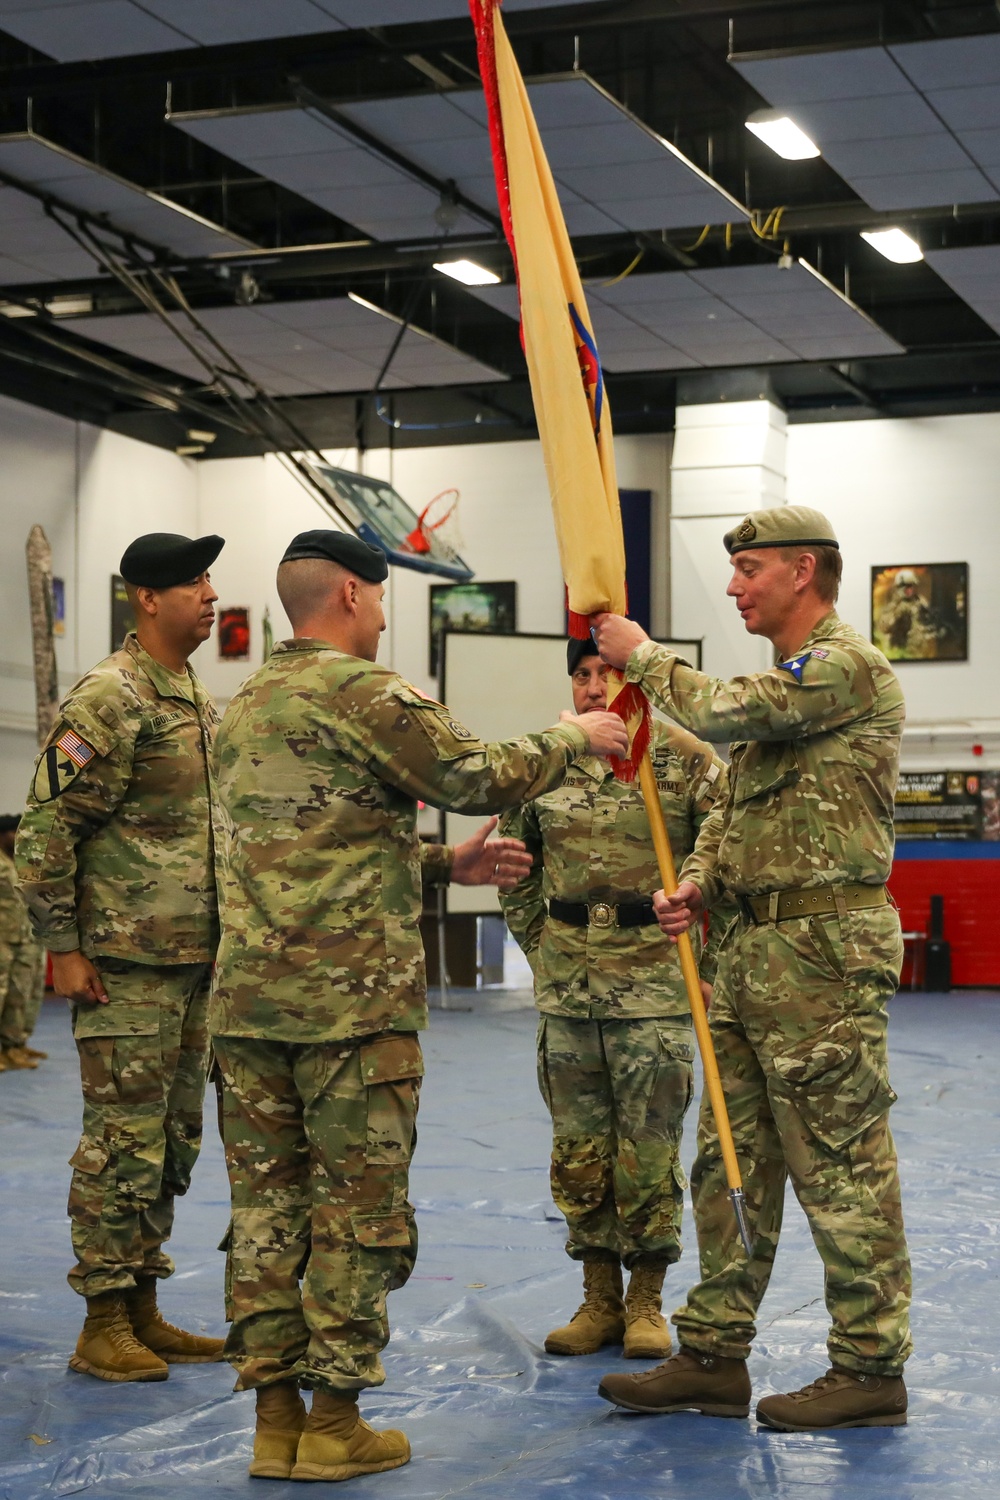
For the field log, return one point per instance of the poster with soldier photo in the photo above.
(920, 611)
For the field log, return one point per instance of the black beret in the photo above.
(577, 650)
(9, 822)
(162, 559)
(340, 547)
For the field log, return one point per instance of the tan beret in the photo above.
(784, 526)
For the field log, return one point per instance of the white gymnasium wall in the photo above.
(898, 491)
(505, 520)
(918, 491)
(92, 491)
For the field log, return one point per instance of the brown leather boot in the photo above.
(600, 1318)
(840, 1398)
(170, 1343)
(709, 1383)
(109, 1349)
(281, 1416)
(646, 1333)
(337, 1444)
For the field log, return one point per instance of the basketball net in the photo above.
(437, 528)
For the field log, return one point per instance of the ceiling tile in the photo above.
(925, 189)
(859, 73)
(104, 28)
(952, 62)
(968, 109)
(211, 22)
(914, 153)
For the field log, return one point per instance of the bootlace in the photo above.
(817, 1387)
(121, 1335)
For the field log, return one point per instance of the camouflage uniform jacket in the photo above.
(590, 841)
(14, 925)
(321, 759)
(814, 762)
(115, 852)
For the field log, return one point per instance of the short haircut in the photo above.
(305, 585)
(829, 568)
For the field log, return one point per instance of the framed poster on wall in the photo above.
(920, 611)
(471, 608)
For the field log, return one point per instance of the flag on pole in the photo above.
(567, 383)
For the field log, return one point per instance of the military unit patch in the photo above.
(60, 764)
(795, 665)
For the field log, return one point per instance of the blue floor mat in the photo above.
(489, 1414)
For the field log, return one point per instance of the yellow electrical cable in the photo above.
(627, 271)
(688, 249)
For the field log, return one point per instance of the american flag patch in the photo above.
(78, 751)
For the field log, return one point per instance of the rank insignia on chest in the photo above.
(60, 765)
(795, 665)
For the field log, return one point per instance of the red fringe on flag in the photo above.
(630, 703)
(482, 20)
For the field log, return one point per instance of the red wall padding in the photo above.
(971, 891)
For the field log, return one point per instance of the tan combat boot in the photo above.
(840, 1398)
(646, 1333)
(709, 1383)
(281, 1416)
(337, 1444)
(109, 1349)
(170, 1343)
(600, 1318)
(19, 1057)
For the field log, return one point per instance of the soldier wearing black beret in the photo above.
(115, 855)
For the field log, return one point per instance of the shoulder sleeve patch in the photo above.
(796, 664)
(60, 764)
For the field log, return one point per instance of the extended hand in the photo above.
(501, 862)
(680, 911)
(606, 732)
(617, 638)
(74, 976)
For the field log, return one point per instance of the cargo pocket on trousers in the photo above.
(836, 1085)
(385, 1248)
(86, 1193)
(391, 1069)
(542, 1064)
(226, 1246)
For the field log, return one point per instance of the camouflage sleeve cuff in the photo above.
(435, 863)
(635, 667)
(574, 737)
(59, 942)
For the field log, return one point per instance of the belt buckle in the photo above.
(602, 915)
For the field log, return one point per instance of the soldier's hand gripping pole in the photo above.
(689, 968)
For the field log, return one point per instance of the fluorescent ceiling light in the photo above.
(894, 244)
(467, 272)
(782, 135)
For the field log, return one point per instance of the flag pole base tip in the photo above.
(740, 1210)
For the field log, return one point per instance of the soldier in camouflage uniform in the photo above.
(115, 855)
(805, 840)
(320, 993)
(614, 1036)
(22, 964)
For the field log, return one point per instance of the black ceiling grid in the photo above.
(106, 127)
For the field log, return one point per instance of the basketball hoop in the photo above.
(436, 527)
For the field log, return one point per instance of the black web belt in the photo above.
(603, 913)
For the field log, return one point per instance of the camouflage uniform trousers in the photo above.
(799, 1023)
(143, 1061)
(319, 1138)
(22, 985)
(617, 1092)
